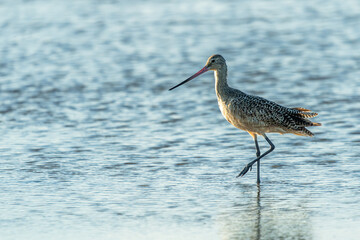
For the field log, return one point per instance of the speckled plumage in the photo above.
(254, 114)
(257, 115)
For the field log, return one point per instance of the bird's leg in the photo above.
(258, 162)
(257, 150)
(249, 165)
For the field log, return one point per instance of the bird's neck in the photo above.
(221, 81)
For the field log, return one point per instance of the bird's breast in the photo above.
(228, 112)
(234, 113)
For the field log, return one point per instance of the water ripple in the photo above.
(93, 142)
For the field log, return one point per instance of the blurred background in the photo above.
(94, 146)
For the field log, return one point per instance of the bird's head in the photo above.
(214, 63)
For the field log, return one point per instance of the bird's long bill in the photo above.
(203, 70)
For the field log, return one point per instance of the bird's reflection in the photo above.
(258, 229)
(254, 216)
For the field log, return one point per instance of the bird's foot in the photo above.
(245, 170)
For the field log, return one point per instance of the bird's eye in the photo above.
(213, 60)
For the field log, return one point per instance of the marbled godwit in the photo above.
(254, 114)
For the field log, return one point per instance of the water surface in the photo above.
(93, 145)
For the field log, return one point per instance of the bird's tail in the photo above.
(300, 118)
(305, 113)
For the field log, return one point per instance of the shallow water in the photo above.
(93, 145)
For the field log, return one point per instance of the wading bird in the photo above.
(254, 114)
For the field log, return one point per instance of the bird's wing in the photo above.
(262, 112)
